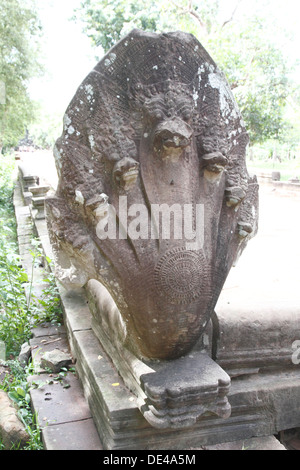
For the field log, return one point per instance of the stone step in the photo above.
(57, 398)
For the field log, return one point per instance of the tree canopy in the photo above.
(256, 68)
(19, 31)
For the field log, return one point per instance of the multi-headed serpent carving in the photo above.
(155, 121)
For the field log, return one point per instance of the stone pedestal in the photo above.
(261, 405)
(38, 200)
(170, 394)
(257, 337)
(27, 177)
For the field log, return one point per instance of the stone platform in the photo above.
(262, 404)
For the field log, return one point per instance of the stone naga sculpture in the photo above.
(153, 126)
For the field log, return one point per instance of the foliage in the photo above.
(108, 21)
(258, 75)
(15, 322)
(48, 304)
(45, 129)
(7, 218)
(290, 136)
(19, 312)
(19, 32)
(20, 309)
(245, 50)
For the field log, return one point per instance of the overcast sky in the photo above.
(69, 56)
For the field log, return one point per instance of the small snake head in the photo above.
(125, 172)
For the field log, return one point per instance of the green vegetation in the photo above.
(243, 37)
(246, 47)
(19, 50)
(20, 309)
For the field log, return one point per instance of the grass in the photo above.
(20, 313)
(289, 167)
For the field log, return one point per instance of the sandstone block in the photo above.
(12, 431)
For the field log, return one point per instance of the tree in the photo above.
(258, 74)
(255, 67)
(107, 21)
(19, 31)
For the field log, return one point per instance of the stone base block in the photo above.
(257, 337)
(262, 405)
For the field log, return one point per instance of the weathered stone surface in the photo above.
(38, 206)
(55, 360)
(39, 191)
(3, 371)
(180, 392)
(255, 443)
(154, 122)
(42, 344)
(262, 405)
(63, 414)
(25, 354)
(12, 431)
(258, 336)
(294, 180)
(76, 304)
(58, 401)
(290, 438)
(276, 175)
(79, 435)
(27, 176)
(48, 329)
(255, 416)
(27, 195)
(171, 394)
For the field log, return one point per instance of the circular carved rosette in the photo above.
(182, 275)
